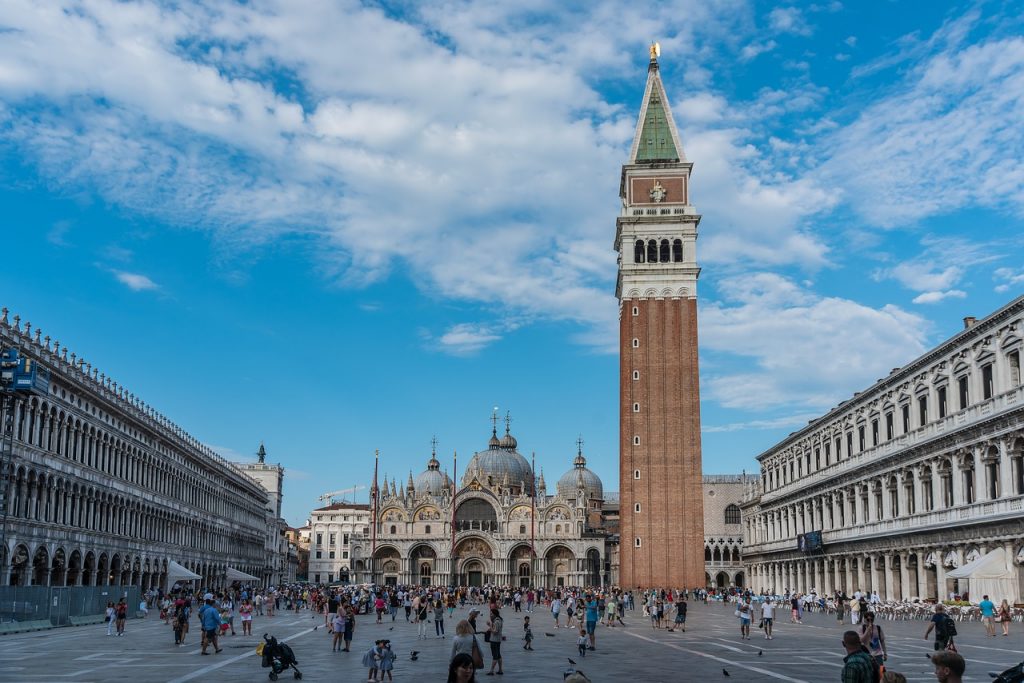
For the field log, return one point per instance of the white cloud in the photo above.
(851, 41)
(842, 57)
(944, 137)
(752, 50)
(799, 420)
(788, 20)
(466, 339)
(1008, 278)
(936, 297)
(135, 281)
(807, 351)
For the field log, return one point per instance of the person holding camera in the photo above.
(873, 639)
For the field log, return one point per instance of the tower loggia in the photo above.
(662, 537)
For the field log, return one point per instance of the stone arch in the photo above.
(721, 580)
(59, 568)
(559, 560)
(477, 514)
(74, 576)
(41, 566)
(20, 566)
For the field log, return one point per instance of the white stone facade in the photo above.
(502, 534)
(331, 532)
(918, 474)
(723, 529)
(282, 557)
(102, 489)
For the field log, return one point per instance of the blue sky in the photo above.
(338, 226)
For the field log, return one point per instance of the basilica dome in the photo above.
(433, 480)
(579, 475)
(500, 465)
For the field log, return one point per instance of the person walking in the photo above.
(945, 628)
(592, 615)
(246, 613)
(858, 666)
(743, 612)
(988, 615)
(872, 637)
(495, 627)
(209, 615)
(422, 614)
(680, 621)
(556, 608)
(121, 614)
(1005, 617)
(439, 618)
(111, 618)
(768, 617)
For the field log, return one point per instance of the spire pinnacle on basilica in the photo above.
(410, 485)
(656, 138)
(580, 462)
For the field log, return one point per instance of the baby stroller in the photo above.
(277, 657)
(1015, 674)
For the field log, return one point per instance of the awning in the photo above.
(175, 572)
(993, 574)
(989, 566)
(237, 575)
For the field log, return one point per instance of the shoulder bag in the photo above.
(478, 658)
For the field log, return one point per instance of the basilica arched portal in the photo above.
(475, 562)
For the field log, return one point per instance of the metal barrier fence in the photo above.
(59, 604)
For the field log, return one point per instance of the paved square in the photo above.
(808, 652)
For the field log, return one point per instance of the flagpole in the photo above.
(533, 512)
(455, 491)
(376, 496)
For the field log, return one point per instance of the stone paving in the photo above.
(808, 652)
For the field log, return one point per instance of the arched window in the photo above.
(522, 528)
(664, 252)
(732, 514)
(426, 529)
(735, 555)
(677, 251)
(707, 554)
(716, 555)
(638, 252)
(394, 529)
(652, 251)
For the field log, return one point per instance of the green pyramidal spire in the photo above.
(656, 137)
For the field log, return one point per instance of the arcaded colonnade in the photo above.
(910, 479)
(101, 489)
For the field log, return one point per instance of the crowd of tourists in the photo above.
(481, 634)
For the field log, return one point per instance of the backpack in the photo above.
(950, 626)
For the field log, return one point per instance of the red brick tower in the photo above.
(662, 523)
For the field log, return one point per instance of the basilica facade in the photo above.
(493, 527)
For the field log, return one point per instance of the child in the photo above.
(387, 660)
(527, 634)
(371, 660)
(338, 628)
(582, 642)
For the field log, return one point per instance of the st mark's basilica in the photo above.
(495, 540)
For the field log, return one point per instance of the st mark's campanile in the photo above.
(662, 521)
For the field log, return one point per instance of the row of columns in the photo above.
(832, 573)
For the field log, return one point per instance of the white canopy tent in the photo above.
(237, 575)
(175, 573)
(993, 575)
